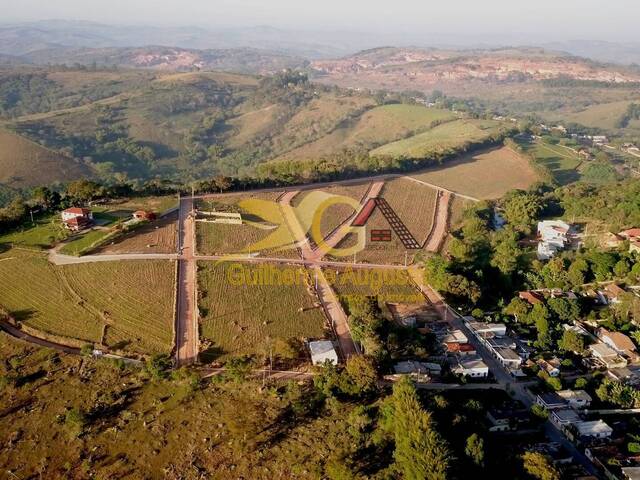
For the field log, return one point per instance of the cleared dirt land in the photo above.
(335, 214)
(485, 175)
(239, 315)
(25, 163)
(443, 138)
(156, 237)
(130, 303)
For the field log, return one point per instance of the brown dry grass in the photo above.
(486, 175)
(156, 237)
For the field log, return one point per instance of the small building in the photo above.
(618, 341)
(552, 367)
(76, 218)
(563, 417)
(594, 429)
(143, 215)
(611, 241)
(498, 329)
(607, 356)
(460, 348)
(323, 351)
(630, 234)
(507, 419)
(455, 336)
(613, 293)
(553, 235)
(508, 358)
(550, 401)
(533, 298)
(471, 366)
(415, 367)
(575, 398)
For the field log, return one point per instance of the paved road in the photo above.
(187, 329)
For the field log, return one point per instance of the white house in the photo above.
(575, 398)
(594, 428)
(471, 366)
(498, 329)
(607, 356)
(321, 351)
(564, 416)
(553, 236)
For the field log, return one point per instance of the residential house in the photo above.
(593, 429)
(624, 375)
(619, 342)
(507, 419)
(460, 348)
(550, 401)
(553, 236)
(455, 336)
(630, 234)
(508, 358)
(613, 293)
(611, 241)
(533, 298)
(76, 218)
(498, 329)
(323, 351)
(575, 398)
(471, 366)
(562, 417)
(415, 367)
(607, 356)
(552, 367)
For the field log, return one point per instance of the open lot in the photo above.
(159, 236)
(220, 239)
(487, 175)
(240, 314)
(441, 139)
(132, 302)
(561, 161)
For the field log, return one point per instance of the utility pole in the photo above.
(31, 213)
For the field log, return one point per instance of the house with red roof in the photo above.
(76, 218)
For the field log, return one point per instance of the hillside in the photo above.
(24, 163)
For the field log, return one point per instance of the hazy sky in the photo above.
(539, 19)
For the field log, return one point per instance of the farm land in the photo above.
(126, 306)
(561, 161)
(220, 239)
(241, 319)
(159, 236)
(485, 175)
(445, 137)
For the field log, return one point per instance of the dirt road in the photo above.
(440, 226)
(187, 331)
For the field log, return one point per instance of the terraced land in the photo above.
(250, 237)
(414, 203)
(485, 175)
(127, 306)
(239, 313)
(441, 139)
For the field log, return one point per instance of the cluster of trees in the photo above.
(23, 93)
(632, 113)
(383, 340)
(618, 394)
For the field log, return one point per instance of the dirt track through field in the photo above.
(440, 225)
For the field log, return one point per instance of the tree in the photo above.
(362, 373)
(540, 317)
(571, 341)
(577, 272)
(621, 269)
(158, 366)
(420, 452)
(506, 253)
(521, 209)
(519, 309)
(565, 310)
(475, 449)
(539, 466)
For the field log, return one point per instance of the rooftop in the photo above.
(321, 347)
(594, 427)
(574, 395)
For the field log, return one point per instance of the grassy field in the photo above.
(414, 203)
(603, 116)
(156, 204)
(80, 243)
(46, 231)
(134, 300)
(25, 163)
(487, 175)
(219, 239)
(442, 138)
(562, 162)
(375, 127)
(237, 317)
